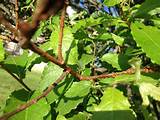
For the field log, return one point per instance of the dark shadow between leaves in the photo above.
(40, 59)
(123, 61)
(22, 94)
(18, 70)
(155, 75)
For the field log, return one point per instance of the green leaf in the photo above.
(8, 85)
(84, 23)
(147, 77)
(117, 61)
(68, 44)
(1, 50)
(111, 2)
(86, 72)
(36, 111)
(104, 36)
(111, 58)
(17, 64)
(50, 74)
(146, 7)
(148, 89)
(28, 1)
(73, 96)
(32, 79)
(80, 116)
(60, 89)
(113, 106)
(119, 40)
(72, 54)
(85, 59)
(60, 117)
(150, 43)
(118, 79)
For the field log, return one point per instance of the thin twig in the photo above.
(34, 101)
(16, 78)
(16, 11)
(49, 57)
(60, 56)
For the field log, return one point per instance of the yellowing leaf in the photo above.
(146, 90)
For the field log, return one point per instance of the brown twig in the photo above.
(16, 78)
(16, 11)
(60, 56)
(47, 56)
(34, 101)
(28, 29)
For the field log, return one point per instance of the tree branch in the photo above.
(16, 11)
(34, 101)
(60, 57)
(47, 56)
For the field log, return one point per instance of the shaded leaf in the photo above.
(80, 116)
(60, 90)
(36, 111)
(17, 64)
(146, 7)
(118, 61)
(73, 96)
(85, 59)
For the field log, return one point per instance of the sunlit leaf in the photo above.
(148, 89)
(118, 61)
(147, 7)
(60, 117)
(113, 106)
(68, 44)
(85, 59)
(1, 50)
(50, 74)
(148, 38)
(112, 2)
(36, 111)
(119, 40)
